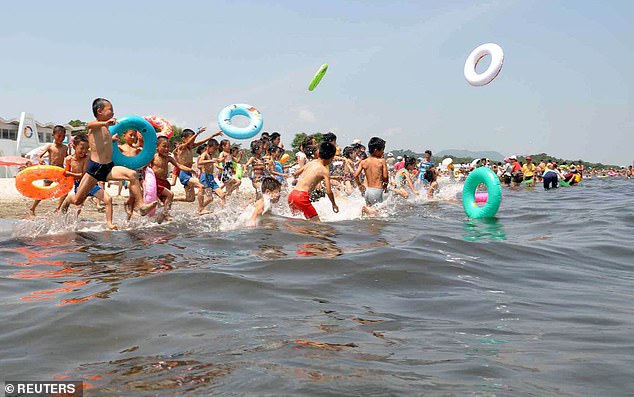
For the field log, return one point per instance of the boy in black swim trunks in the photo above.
(100, 166)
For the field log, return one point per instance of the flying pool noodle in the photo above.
(487, 177)
(149, 142)
(241, 109)
(25, 178)
(150, 193)
(497, 59)
(318, 76)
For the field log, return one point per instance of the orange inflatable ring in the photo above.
(25, 178)
(285, 157)
(163, 125)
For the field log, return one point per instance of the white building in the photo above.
(20, 136)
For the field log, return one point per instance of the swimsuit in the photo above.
(92, 191)
(184, 177)
(208, 181)
(299, 201)
(227, 170)
(99, 171)
(162, 184)
(373, 195)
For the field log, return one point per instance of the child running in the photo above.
(312, 174)
(206, 162)
(376, 175)
(159, 164)
(229, 157)
(100, 166)
(75, 165)
(184, 154)
(404, 178)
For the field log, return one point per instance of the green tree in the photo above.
(297, 141)
(76, 123)
(176, 136)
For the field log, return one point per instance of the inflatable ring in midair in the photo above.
(235, 132)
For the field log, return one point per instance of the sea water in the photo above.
(418, 300)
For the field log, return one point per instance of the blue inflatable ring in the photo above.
(492, 182)
(149, 142)
(254, 127)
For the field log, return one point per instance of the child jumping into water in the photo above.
(159, 164)
(75, 165)
(100, 167)
(270, 194)
(403, 178)
(206, 163)
(376, 175)
(311, 175)
(184, 154)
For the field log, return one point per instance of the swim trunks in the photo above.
(299, 201)
(92, 191)
(184, 177)
(99, 171)
(208, 181)
(162, 184)
(373, 195)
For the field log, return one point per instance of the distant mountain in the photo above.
(469, 154)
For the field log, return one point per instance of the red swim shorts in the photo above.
(162, 184)
(299, 202)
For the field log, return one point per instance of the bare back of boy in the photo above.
(376, 173)
(313, 173)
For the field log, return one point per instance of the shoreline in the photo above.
(14, 206)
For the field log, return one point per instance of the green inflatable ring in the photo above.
(492, 182)
(563, 183)
(318, 76)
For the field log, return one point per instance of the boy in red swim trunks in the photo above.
(312, 174)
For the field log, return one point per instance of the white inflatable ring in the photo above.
(497, 59)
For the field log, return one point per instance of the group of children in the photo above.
(319, 169)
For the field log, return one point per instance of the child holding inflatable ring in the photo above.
(57, 152)
(100, 166)
(75, 165)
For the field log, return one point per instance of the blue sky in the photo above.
(396, 69)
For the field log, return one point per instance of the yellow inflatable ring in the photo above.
(457, 173)
(25, 178)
